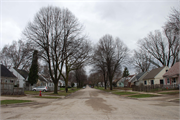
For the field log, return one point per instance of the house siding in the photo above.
(20, 79)
(158, 77)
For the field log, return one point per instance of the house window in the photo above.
(168, 80)
(11, 81)
(162, 81)
(174, 80)
(145, 82)
(152, 82)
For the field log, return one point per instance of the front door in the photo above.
(152, 82)
(174, 81)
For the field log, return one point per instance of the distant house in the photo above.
(41, 81)
(22, 76)
(115, 82)
(155, 76)
(75, 84)
(172, 75)
(138, 79)
(127, 82)
(120, 83)
(61, 83)
(8, 80)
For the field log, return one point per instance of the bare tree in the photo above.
(80, 54)
(165, 51)
(52, 32)
(172, 33)
(80, 77)
(95, 78)
(17, 55)
(141, 61)
(99, 65)
(112, 53)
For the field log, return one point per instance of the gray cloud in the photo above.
(130, 21)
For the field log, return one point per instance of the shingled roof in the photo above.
(139, 75)
(153, 73)
(174, 70)
(6, 73)
(23, 73)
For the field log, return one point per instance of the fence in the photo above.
(149, 88)
(9, 89)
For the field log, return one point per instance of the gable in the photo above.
(162, 72)
(153, 73)
(23, 73)
(174, 70)
(6, 73)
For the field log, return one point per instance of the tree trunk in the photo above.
(111, 85)
(110, 80)
(105, 83)
(55, 87)
(66, 86)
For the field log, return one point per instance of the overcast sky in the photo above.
(129, 20)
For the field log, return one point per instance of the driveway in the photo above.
(93, 104)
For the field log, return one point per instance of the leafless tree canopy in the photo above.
(160, 48)
(165, 50)
(80, 77)
(56, 33)
(141, 61)
(109, 55)
(17, 55)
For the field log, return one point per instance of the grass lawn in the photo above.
(156, 90)
(13, 101)
(49, 97)
(124, 93)
(122, 88)
(60, 93)
(107, 89)
(32, 92)
(169, 93)
(142, 96)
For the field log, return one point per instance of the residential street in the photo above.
(93, 104)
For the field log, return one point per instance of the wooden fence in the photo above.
(149, 88)
(9, 89)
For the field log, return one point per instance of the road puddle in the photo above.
(99, 104)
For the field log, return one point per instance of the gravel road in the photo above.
(92, 104)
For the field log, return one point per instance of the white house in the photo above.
(155, 76)
(61, 83)
(75, 84)
(21, 75)
(138, 79)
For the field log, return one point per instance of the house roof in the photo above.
(174, 70)
(153, 73)
(139, 75)
(116, 80)
(6, 73)
(130, 77)
(122, 79)
(41, 78)
(23, 73)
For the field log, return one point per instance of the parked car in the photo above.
(41, 88)
(84, 87)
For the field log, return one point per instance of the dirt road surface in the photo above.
(92, 104)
